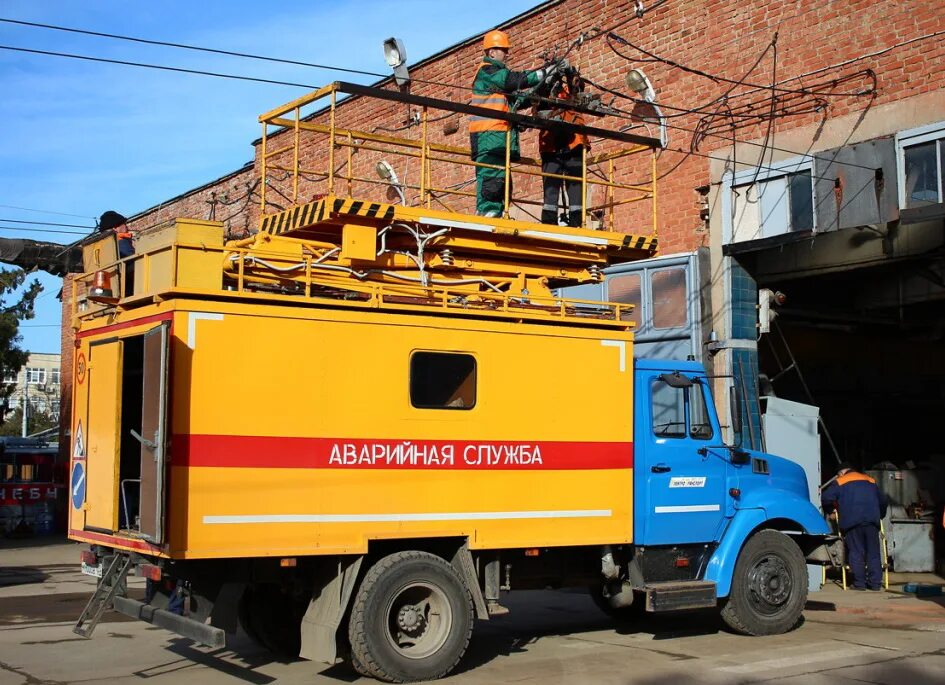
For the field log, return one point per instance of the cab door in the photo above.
(684, 486)
(103, 435)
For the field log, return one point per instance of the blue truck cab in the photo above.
(713, 522)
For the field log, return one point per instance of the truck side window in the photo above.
(442, 380)
(669, 410)
(700, 427)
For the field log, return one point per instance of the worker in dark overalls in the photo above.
(860, 506)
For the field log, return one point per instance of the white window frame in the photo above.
(732, 179)
(54, 376)
(40, 374)
(917, 136)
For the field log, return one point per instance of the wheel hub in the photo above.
(770, 582)
(411, 620)
(419, 619)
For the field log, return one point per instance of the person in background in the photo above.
(860, 505)
(113, 221)
(493, 87)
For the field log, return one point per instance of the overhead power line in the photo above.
(47, 223)
(43, 230)
(197, 48)
(46, 211)
(375, 74)
(308, 86)
(156, 66)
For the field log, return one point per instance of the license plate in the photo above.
(95, 571)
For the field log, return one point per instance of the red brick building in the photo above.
(832, 190)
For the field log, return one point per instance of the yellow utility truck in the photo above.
(352, 431)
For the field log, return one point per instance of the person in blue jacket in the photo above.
(860, 505)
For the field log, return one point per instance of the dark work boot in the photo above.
(549, 216)
(574, 219)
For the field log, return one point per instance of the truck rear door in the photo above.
(153, 432)
(104, 420)
(126, 442)
(683, 493)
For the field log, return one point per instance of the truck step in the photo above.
(676, 595)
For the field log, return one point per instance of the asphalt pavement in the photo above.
(550, 637)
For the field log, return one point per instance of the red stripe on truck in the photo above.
(251, 451)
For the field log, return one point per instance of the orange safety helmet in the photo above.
(496, 39)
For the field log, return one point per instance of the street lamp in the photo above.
(395, 54)
(386, 172)
(640, 84)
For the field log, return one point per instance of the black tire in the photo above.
(273, 619)
(769, 586)
(411, 619)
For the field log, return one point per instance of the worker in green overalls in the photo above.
(492, 89)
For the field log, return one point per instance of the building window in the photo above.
(668, 295)
(921, 160)
(442, 380)
(54, 376)
(9, 377)
(769, 202)
(625, 289)
(34, 375)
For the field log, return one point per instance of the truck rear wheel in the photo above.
(769, 586)
(411, 618)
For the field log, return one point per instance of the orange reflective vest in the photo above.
(497, 101)
(555, 141)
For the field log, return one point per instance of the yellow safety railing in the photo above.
(167, 270)
(296, 138)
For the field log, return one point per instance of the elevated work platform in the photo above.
(347, 247)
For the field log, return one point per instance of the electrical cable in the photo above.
(41, 230)
(47, 223)
(160, 67)
(623, 114)
(713, 77)
(196, 48)
(238, 77)
(46, 211)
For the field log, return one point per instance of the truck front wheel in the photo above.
(769, 586)
(411, 618)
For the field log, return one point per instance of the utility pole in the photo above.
(26, 407)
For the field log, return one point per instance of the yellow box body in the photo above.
(159, 265)
(292, 432)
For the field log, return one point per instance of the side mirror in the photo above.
(740, 456)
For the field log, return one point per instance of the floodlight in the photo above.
(386, 173)
(395, 54)
(640, 84)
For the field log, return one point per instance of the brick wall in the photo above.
(723, 37)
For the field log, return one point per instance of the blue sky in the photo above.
(80, 137)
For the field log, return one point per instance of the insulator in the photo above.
(447, 257)
(594, 270)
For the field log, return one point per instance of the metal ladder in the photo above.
(111, 583)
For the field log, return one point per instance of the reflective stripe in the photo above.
(411, 517)
(496, 101)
